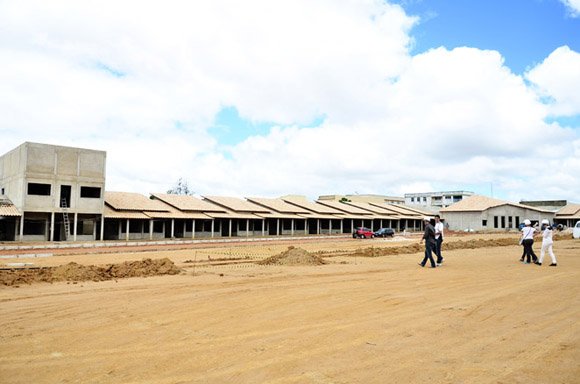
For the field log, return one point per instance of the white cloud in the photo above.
(145, 81)
(558, 78)
(573, 7)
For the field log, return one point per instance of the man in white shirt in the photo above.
(438, 239)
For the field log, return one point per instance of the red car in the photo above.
(363, 233)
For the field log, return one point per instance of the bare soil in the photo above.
(370, 314)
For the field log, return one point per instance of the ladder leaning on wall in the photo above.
(65, 218)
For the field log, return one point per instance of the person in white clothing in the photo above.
(547, 243)
(527, 241)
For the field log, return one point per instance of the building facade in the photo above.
(434, 201)
(59, 191)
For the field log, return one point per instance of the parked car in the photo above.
(576, 230)
(385, 232)
(363, 233)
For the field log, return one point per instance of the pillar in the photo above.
(127, 232)
(193, 229)
(75, 226)
(102, 227)
(51, 238)
(151, 229)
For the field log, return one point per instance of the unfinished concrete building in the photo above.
(58, 191)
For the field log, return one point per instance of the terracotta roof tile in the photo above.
(188, 203)
(236, 204)
(133, 202)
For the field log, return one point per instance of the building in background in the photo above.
(58, 192)
(378, 199)
(481, 213)
(434, 201)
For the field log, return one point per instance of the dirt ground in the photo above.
(230, 314)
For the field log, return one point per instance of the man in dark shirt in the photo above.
(429, 237)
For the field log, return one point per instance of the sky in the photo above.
(265, 98)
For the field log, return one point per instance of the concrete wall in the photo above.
(55, 166)
(512, 216)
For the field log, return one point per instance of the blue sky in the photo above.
(313, 97)
(524, 31)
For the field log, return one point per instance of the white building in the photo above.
(479, 213)
(434, 201)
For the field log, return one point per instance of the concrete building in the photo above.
(365, 198)
(59, 191)
(480, 213)
(434, 201)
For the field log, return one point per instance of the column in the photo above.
(151, 229)
(102, 227)
(247, 227)
(230, 228)
(341, 227)
(193, 229)
(172, 228)
(277, 227)
(75, 226)
(212, 226)
(51, 238)
(305, 226)
(127, 233)
(22, 227)
(263, 226)
(318, 226)
(292, 227)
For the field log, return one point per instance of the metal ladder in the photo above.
(66, 220)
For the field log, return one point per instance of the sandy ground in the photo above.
(481, 318)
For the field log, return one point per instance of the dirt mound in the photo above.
(293, 256)
(76, 272)
(414, 248)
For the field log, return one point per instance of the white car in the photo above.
(576, 231)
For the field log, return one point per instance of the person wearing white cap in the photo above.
(527, 241)
(547, 243)
(429, 237)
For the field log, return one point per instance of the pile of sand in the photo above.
(293, 256)
(415, 248)
(77, 272)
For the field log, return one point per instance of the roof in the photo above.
(310, 206)
(351, 209)
(188, 203)
(236, 204)
(478, 203)
(129, 201)
(7, 208)
(569, 209)
(374, 208)
(277, 205)
(400, 210)
(111, 213)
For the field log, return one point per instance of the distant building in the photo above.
(552, 205)
(378, 199)
(434, 201)
(58, 192)
(480, 213)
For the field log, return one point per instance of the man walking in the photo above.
(429, 237)
(438, 239)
